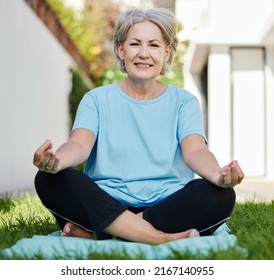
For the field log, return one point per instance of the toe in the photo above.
(193, 233)
(66, 229)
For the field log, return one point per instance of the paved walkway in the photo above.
(255, 190)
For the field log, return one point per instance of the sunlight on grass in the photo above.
(21, 217)
(6, 204)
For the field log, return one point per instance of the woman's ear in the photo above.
(167, 53)
(120, 49)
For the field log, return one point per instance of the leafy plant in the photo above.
(91, 29)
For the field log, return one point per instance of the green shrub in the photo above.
(79, 86)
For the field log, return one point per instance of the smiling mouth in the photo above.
(143, 65)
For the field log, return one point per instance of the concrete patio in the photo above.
(255, 190)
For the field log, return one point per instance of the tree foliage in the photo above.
(92, 31)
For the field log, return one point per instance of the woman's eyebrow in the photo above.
(138, 40)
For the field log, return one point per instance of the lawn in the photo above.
(252, 223)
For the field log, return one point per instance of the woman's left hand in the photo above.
(229, 175)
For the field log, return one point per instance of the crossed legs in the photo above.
(82, 209)
(132, 227)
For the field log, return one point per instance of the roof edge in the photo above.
(44, 11)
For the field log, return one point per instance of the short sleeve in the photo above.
(190, 119)
(87, 114)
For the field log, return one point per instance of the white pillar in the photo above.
(219, 103)
(248, 89)
(269, 72)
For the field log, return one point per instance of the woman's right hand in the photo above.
(45, 159)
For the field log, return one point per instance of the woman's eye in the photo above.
(134, 44)
(154, 45)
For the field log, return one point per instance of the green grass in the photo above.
(252, 223)
(21, 217)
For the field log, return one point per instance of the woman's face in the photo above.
(144, 51)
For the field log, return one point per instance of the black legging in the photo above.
(72, 196)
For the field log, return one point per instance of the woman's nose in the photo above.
(144, 52)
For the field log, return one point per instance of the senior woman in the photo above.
(144, 142)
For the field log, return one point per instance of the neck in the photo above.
(142, 91)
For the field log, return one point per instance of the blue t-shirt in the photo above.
(137, 157)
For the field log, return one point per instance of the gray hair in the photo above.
(162, 17)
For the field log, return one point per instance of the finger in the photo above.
(240, 172)
(227, 177)
(233, 163)
(44, 160)
(45, 146)
(40, 151)
(50, 162)
(221, 179)
(52, 166)
(55, 167)
(234, 176)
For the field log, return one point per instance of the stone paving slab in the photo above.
(255, 190)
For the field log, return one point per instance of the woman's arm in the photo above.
(202, 161)
(73, 152)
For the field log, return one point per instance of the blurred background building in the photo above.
(229, 66)
(34, 86)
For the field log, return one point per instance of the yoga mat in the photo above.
(55, 246)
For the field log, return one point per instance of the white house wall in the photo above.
(34, 87)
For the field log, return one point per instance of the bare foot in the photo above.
(193, 233)
(187, 233)
(73, 230)
(181, 235)
(176, 236)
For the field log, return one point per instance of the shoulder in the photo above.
(100, 90)
(181, 94)
(98, 95)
